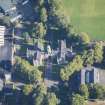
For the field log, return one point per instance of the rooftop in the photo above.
(17, 9)
(6, 48)
(2, 33)
(92, 75)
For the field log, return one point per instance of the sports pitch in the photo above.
(87, 16)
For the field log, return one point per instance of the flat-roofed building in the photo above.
(6, 45)
(89, 75)
(2, 33)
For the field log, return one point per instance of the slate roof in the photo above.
(62, 48)
(62, 44)
(64, 54)
(32, 51)
(37, 56)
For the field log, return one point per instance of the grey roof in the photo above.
(89, 75)
(93, 75)
(62, 48)
(34, 51)
(37, 55)
(102, 76)
(62, 45)
(6, 5)
(6, 51)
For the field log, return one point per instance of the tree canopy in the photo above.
(27, 89)
(84, 38)
(78, 100)
(25, 71)
(73, 66)
(83, 90)
(98, 52)
(40, 30)
(51, 99)
(43, 15)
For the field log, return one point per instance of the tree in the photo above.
(27, 89)
(84, 38)
(51, 99)
(55, 5)
(26, 72)
(78, 100)
(39, 99)
(59, 19)
(83, 90)
(98, 52)
(26, 96)
(41, 89)
(97, 91)
(40, 2)
(43, 15)
(57, 15)
(88, 57)
(40, 94)
(40, 30)
(73, 66)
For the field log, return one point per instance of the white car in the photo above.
(25, 2)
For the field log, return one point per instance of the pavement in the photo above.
(48, 79)
(96, 103)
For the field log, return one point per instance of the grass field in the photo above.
(87, 16)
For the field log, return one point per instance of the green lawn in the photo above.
(87, 16)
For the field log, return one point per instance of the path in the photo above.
(48, 79)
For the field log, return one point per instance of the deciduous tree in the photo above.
(43, 15)
(98, 52)
(78, 100)
(83, 90)
(51, 99)
(73, 66)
